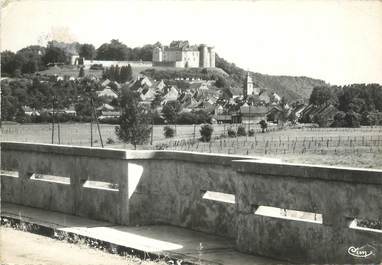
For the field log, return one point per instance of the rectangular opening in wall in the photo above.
(9, 173)
(101, 185)
(219, 196)
(289, 214)
(49, 178)
(366, 225)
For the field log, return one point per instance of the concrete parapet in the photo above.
(178, 188)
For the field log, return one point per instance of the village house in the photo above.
(30, 111)
(253, 114)
(107, 93)
(171, 94)
(323, 115)
(274, 114)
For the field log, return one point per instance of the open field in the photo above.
(357, 147)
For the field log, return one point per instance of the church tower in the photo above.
(248, 90)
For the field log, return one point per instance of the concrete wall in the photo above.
(164, 187)
(89, 63)
(339, 194)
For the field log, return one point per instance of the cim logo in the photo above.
(362, 252)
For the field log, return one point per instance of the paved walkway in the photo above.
(187, 245)
(33, 249)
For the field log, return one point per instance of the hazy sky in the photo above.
(338, 41)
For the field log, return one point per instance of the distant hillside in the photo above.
(291, 87)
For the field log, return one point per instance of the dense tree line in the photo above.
(37, 58)
(119, 74)
(357, 104)
(39, 94)
(117, 51)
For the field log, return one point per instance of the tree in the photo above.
(123, 77)
(135, 120)
(221, 82)
(124, 74)
(82, 72)
(54, 55)
(114, 51)
(352, 119)
(8, 63)
(322, 95)
(157, 100)
(263, 125)
(117, 73)
(170, 111)
(87, 51)
(206, 132)
(32, 58)
(129, 71)
(284, 111)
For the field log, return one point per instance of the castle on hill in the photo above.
(183, 55)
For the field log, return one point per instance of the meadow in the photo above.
(355, 147)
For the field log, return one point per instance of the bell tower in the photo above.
(248, 90)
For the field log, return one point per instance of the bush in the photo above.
(231, 132)
(251, 132)
(352, 119)
(195, 117)
(96, 67)
(157, 119)
(110, 141)
(241, 131)
(168, 131)
(206, 132)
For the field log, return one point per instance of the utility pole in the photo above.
(52, 120)
(58, 132)
(91, 130)
(152, 132)
(96, 119)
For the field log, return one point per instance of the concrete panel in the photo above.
(48, 195)
(302, 242)
(171, 192)
(99, 204)
(11, 189)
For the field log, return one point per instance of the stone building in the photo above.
(181, 54)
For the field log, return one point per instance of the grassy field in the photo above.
(358, 147)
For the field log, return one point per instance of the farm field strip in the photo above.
(356, 147)
(79, 134)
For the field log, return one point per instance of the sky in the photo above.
(337, 41)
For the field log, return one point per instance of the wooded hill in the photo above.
(291, 87)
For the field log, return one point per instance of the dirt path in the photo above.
(17, 247)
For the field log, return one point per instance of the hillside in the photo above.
(291, 87)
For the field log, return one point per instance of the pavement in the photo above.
(173, 243)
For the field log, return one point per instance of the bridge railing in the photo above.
(299, 213)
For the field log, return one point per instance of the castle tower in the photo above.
(204, 58)
(157, 54)
(212, 56)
